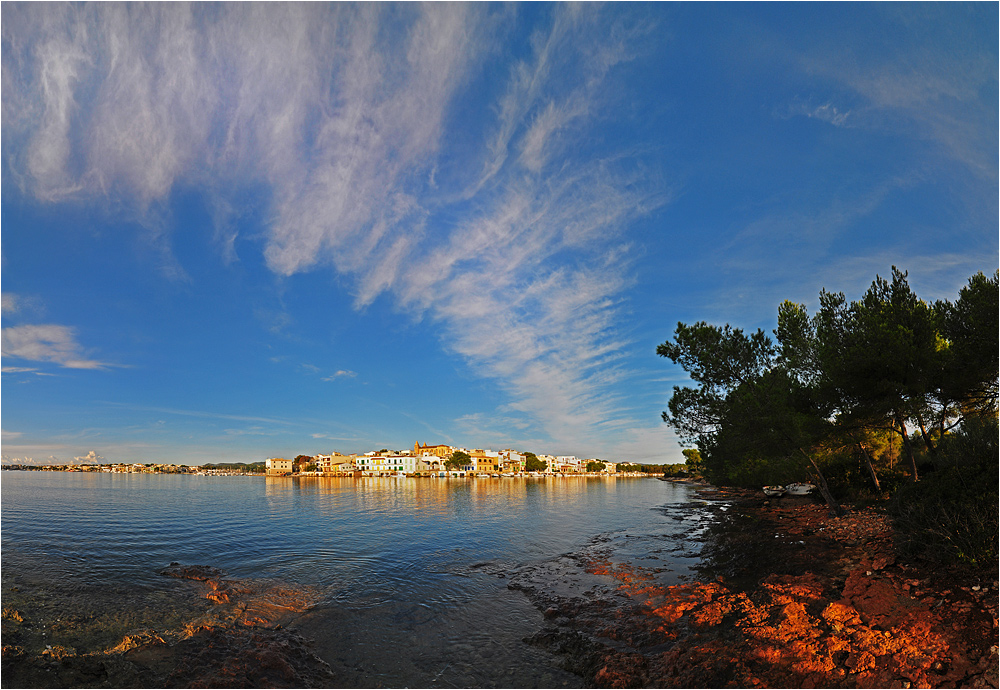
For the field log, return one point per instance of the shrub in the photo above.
(950, 516)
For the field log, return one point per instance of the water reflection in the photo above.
(411, 574)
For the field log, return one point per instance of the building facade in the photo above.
(277, 466)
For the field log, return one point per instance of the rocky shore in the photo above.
(789, 597)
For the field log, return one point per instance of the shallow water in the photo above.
(411, 574)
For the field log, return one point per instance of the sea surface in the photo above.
(412, 574)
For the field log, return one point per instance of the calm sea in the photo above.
(412, 573)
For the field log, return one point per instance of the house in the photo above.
(335, 463)
(550, 462)
(387, 464)
(430, 464)
(483, 462)
(277, 466)
(511, 461)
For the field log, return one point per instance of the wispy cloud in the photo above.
(340, 374)
(47, 343)
(922, 87)
(342, 112)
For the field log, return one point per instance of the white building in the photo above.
(387, 464)
(567, 463)
(274, 466)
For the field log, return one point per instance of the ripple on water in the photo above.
(407, 572)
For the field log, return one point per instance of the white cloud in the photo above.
(339, 374)
(91, 457)
(46, 343)
(341, 111)
(8, 303)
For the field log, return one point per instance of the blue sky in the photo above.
(232, 232)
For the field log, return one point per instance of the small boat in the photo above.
(799, 489)
(774, 490)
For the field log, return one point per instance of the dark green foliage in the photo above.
(693, 461)
(648, 469)
(533, 464)
(856, 398)
(595, 466)
(951, 515)
(457, 459)
(244, 466)
(971, 361)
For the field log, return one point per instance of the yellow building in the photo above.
(482, 463)
(438, 451)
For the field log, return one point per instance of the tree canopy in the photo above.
(533, 464)
(864, 378)
(458, 459)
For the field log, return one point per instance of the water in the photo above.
(411, 574)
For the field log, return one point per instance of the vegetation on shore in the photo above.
(887, 398)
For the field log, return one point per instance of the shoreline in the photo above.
(788, 597)
(785, 597)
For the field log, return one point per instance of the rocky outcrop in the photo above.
(828, 607)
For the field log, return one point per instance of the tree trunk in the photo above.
(908, 447)
(871, 468)
(836, 510)
(923, 433)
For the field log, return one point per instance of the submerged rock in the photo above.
(238, 639)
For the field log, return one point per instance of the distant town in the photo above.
(421, 461)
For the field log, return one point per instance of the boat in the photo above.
(799, 489)
(774, 490)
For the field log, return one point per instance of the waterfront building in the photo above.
(431, 464)
(483, 462)
(440, 451)
(511, 461)
(335, 463)
(568, 464)
(380, 465)
(277, 466)
(550, 463)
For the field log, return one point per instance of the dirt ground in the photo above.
(791, 598)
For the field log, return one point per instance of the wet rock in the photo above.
(192, 572)
(238, 637)
(838, 613)
(13, 615)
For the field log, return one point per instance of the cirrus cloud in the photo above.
(46, 343)
(512, 240)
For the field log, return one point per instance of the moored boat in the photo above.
(774, 490)
(799, 488)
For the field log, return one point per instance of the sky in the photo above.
(240, 231)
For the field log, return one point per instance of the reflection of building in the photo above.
(440, 451)
(277, 466)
